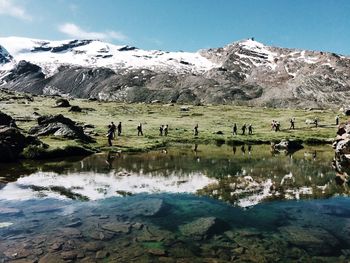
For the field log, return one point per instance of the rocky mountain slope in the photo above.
(243, 72)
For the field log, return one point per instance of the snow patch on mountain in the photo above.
(50, 55)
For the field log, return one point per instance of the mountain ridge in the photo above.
(245, 71)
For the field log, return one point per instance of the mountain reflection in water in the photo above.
(243, 178)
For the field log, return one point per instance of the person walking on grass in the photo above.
(110, 135)
(292, 121)
(113, 128)
(244, 127)
(195, 130)
(119, 128)
(161, 129)
(139, 130)
(337, 120)
(316, 122)
(250, 129)
(166, 129)
(234, 129)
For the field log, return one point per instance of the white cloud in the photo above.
(74, 31)
(10, 8)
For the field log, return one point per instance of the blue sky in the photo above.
(183, 24)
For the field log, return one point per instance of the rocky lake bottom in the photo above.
(185, 203)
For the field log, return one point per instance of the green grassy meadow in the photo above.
(210, 118)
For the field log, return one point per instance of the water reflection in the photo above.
(244, 180)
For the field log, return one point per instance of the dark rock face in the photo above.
(59, 125)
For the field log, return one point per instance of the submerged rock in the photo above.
(203, 228)
(148, 207)
(315, 240)
(117, 227)
(58, 125)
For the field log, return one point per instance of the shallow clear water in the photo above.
(215, 204)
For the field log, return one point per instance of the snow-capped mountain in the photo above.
(245, 71)
(50, 55)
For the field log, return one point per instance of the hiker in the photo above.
(250, 129)
(277, 126)
(161, 128)
(316, 122)
(119, 128)
(195, 129)
(249, 149)
(234, 129)
(234, 149)
(113, 128)
(292, 121)
(244, 128)
(166, 129)
(337, 120)
(110, 135)
(139, 130)
(273, 125)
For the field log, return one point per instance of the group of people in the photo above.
(244, 128)
(164, 129)
(276, 125)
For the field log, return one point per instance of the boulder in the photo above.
(62, 103)
(203, 228)
(58, 125)
(5, 119)
(75, 109)
(12, 143)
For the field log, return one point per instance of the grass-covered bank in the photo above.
(210, 118)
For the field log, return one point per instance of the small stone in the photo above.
(93, 246)
(56, 246)
(50, 258)
(239, 250)
(137, 226)
(157, 252)
(117, 227)
(69, 255)
(101, 254)
(74, 224)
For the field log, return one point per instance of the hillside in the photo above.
(244, 72)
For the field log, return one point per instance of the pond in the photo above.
(185, 203)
